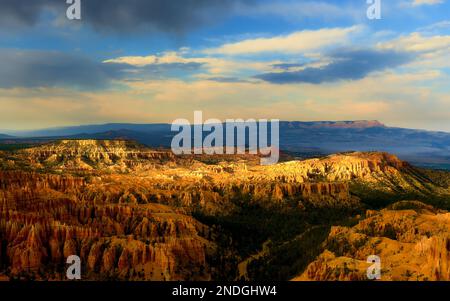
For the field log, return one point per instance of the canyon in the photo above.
(411, 238)
(134, 213)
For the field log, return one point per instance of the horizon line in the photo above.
(54, 128)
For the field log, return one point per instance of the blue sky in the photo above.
(157, 61)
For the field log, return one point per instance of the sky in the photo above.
(155, 61)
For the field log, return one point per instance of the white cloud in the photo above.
(213, 66)
(297, 42)
(436, 26)
(426, 2)
(397, 99)
(416, 42)
(432, 51)
(141, 61)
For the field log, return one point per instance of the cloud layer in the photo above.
(32, 69)
(301, 41)
(158, 60)
(124, 16)
(344, 65)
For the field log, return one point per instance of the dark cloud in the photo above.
(345, 65)
(161, 71)
(175, 16)
(25, 12)
(287, 66)
(224, 79)
(32, 68)
(51, 68)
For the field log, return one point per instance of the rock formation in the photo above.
(413, 244)
(128, 211)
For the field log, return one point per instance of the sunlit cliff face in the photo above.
(412, 238)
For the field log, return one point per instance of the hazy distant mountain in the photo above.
(304, 138)
(165, 128)
(3, 136)
(93, 129)
(416, 146)
(358, 124)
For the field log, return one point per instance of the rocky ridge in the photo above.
(411, 238)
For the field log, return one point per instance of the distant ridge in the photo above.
(91, 129)
(155, 127)
(357, 124)
(302, 139)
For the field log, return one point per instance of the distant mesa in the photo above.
(113, 129)
(358, 124)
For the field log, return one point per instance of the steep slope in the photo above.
(372, 176)
(411, 238)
